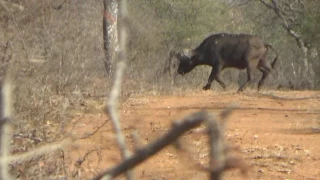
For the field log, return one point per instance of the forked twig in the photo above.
(80, 161)
(220, 160)
(142, 154)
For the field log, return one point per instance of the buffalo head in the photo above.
(186, 63)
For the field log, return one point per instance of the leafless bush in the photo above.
(54, 63)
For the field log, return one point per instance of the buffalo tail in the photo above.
(276, 58)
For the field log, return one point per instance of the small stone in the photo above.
(260, 170)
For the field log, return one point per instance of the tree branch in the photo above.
(276, 8)
(217, 156)
(5, 126)
(116, 89)
(142, 154)
(220, 161)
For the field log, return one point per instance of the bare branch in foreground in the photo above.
(116, 89)
(112, 109)
(5, 126)
(144, 153)
(217, 156)
(220, 160)
(36, 152)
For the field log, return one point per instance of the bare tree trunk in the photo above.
(109, 32)
(308, 71)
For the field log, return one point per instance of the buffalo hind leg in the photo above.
(265, 72)
(250, 71)
(215, 74)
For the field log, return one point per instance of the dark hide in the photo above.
(241, 51)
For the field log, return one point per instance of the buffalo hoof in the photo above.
(206, 87)
(240, 90)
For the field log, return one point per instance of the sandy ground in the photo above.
(278, 134)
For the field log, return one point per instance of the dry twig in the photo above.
(36, 152)
(116, 89)
(144, 153)
(79, 162)
(5, 126)
(95, 131)
(220, 160)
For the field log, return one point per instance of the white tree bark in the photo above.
(308, 71)
(110, 33)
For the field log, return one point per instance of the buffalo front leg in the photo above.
(215, 75)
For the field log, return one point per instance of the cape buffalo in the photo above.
(229, 50)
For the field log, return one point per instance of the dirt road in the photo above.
(278, 134)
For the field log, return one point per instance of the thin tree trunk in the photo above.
(308, 71)
(109, 32)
